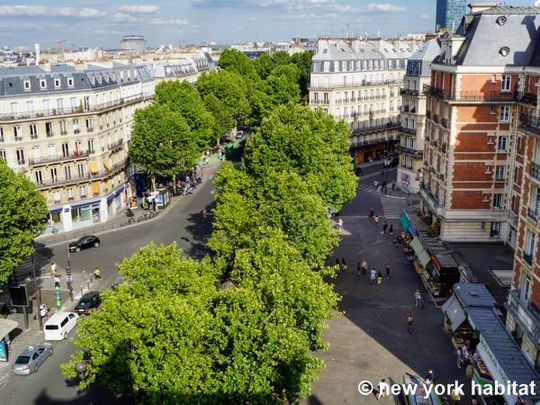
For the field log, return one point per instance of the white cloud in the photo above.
(131, 19)
(425, 16)
(385, 7)
(23, 10)
(139, 8)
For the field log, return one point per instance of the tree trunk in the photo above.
(174, 184)
(153, 179)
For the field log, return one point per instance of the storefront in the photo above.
(116, 200)
(7, 326)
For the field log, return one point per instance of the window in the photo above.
(57, 196)
(63, 128)
(33, 131)
(525, 287)
(90, 146)
(502, 143)
(57, 83)
(70, 194)
(17, 131)
(80, 169)
(20, 156)
(42, 83)
(70, 81)
(83, 191)
(76, 126)
(506, 83)
(497, 200)
(528, 250)
(89, 125)
(26, 84)
(54, 175)
(505, 113)
(3, 154)
(67, 172)
(500, 171)
(495, 229)
(1, 134)
(49, 129)
(65, 150)
(39, 177)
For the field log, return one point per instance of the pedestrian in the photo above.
(469, 371)
(418, 299)
(474, 401)
(379, 277)
(42, 311)
(388, 270)
(338, 262)
(410, 323)
(455, 397)
(376, 219)
(391, 229)
(380, 386)
(53, 269)
(384, 227)
(372, 276)
(97, 273)
(343, 264)
(358, 269)
(371, 213)
(364, 266)
(459, 358)
(56, 281)
(340, 223)
(429, 377)
(465, 353)
(393, 185)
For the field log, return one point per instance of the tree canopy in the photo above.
(183, 98)
(23, 213)
(162, 143)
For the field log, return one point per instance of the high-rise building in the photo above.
(449, 13)
(413, 117)
(482, 148)
(358, 81)
(135, 43)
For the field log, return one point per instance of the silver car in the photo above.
(31, 358)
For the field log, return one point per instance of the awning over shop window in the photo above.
(404, 221)
(420, 252)
(454, 311)
(412, 230)
(93, 166)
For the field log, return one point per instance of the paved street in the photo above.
(370, 341)
(182, 223)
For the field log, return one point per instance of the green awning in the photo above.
(423, 256)
(404, 221)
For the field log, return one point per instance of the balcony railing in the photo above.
(410, 151)
(435, 118)
(470, 96)
(528, 98)
(82, 179)
(58, 158)
(525, 313)
(530, 122)
(51, 112)
(428, 114)
(444, 122)
(408, 92)
(387, 126)
(532, 213)
(116, 145)
(534, 170)
(528, 257)
(408, 130)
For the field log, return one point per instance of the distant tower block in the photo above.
(38, 52)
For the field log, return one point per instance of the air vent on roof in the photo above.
(504, 51)
(501, 20)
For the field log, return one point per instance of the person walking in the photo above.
(384, 227)
(42, 311)
(53, 269)
(343, 264)
(340, 224)
(391, 229)
(358, 269)
(364, 266)
(410, 323)
(429, 377)
(379, 277)
(376, 219)
(418, 299)
(371, 213)
(455, 397)
(97, 273)
(459, 358)
(56, 281)
(388, 270)
(372, 276)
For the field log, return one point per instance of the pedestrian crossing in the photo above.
(392, 207)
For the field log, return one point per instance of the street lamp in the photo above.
(38, 290)
(69, 277)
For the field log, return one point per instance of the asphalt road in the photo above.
(182, 223)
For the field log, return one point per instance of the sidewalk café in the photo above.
(471, 317)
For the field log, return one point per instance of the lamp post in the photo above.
(38, 290)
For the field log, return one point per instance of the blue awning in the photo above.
(85, 203)
(115, 193)
(412, 230)
(55, 210)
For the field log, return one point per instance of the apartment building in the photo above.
(413, 117)
(359, 81)
(67, 130)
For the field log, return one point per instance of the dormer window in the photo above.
(504, 51)
(42, 83)
(57, 83)
(26, 84)
(70, 82)
(501, 20)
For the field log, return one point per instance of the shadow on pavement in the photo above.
(200, 229)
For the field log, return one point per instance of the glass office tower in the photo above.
(449, 13)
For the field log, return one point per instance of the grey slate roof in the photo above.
(94, 77)
(473, 295)
(484, 37)
(419, 63)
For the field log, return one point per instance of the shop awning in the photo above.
(404, 221)
(420, 252)
(412, 230)
(454, 311)
(116, 192)
(85, 203)
(6, 326)
(93, 167)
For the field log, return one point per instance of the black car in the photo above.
(88, 303)
(84, 243)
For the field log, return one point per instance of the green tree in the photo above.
(183, 98)
(230, 89)
(172, 335)
(264, 65)
(282, 85)
(281, 58)
(303, 61)
(223, 120)
(308, 143)
(237, 62)
(23, 213)
(162, 143)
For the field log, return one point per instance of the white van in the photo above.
(59, 325)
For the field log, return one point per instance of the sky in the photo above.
(85, 23)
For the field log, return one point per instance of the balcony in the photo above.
(428, 114)
(528, 98)
(408, 92)
(435, 118)
(444, 122)
(530, 123)
(528, 257)
(470, 96)
(39, 161)
(532, 213)
(102, 175)
(373, 128)
(526, 314)
(534, 170)
(113, 147)
(53, 112)
(416, 153)
(406, 130)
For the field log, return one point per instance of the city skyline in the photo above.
(164, 22)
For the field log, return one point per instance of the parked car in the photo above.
(31, 358)
(59, 325)
(88, 303)
(85, 242)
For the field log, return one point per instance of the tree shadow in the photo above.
(200, 229)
